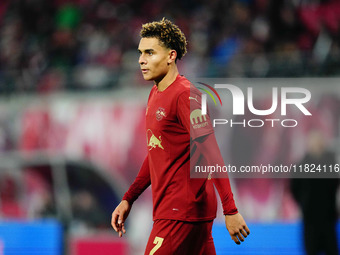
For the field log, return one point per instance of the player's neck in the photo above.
(168, 79)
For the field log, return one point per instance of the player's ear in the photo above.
(172, 56)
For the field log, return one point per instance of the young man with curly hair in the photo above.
(183, 208)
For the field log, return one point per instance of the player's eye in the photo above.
(150, 53)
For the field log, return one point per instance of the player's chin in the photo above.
(147, 77)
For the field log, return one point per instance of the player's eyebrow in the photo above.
(146, 51)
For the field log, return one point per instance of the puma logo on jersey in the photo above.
(194, 98)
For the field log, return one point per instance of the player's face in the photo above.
(153, 59)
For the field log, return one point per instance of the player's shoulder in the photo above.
(186, 87)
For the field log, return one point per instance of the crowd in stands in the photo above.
(91, 44)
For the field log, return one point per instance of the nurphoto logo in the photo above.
(287, 97)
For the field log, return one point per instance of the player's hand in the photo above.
(237, 227)
(119, 216)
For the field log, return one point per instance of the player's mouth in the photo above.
(145, 70)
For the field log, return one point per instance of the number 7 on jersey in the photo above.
(158, 242)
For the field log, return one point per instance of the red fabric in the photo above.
(171, 129)
(208, 147)
(181, 238)
(141, 182)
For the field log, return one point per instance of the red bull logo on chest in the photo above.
(153, 141)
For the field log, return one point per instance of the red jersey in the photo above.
(172, 124)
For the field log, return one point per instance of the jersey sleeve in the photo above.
(141, 182)
(208, 146)
(190, 114)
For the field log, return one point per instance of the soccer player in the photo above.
(178, 138)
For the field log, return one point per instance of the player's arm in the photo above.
(234, 221)
(204, 139)
(122, 211)
(208, 147)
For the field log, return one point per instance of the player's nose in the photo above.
(141, 60)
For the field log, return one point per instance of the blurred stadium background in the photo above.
(73, 103)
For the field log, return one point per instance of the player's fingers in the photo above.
(247, 229)
(114, 221)
(120, 220)
(123, 228)
(243, 232)
(240, 237)
(234, 237)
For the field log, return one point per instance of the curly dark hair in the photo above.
(168, 33)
